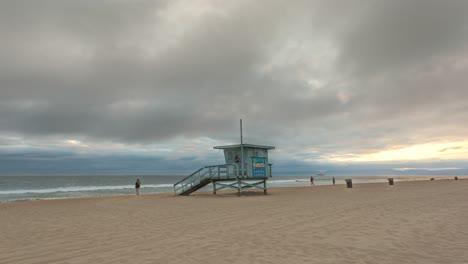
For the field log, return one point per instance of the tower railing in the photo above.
(207, 174)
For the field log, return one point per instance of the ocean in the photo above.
(25, 188)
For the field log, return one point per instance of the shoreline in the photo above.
(231, 192)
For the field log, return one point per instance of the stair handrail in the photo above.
(182, 184)
(210, 166)
(189, 176)
(214, 172)
(193, 179)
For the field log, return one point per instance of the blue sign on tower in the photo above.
(259, 168)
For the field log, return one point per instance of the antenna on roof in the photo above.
(241, 130)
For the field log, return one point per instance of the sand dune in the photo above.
(411, 222)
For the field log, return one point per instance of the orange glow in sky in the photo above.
(451, 150)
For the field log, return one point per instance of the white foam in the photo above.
(287, 181)
(83, 189)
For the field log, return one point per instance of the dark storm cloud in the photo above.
(191, 88)
(399, 34)
(334, 76)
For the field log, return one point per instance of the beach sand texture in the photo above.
(410, 222)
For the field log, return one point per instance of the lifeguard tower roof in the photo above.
(244, 145)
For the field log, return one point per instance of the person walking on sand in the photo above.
(137, 186)
(312, 181)
(333, 180)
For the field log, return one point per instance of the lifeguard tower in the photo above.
(246, 167)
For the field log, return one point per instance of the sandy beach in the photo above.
(410, 222)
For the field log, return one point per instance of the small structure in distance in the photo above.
(246, 167)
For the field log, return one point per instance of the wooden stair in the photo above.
(195, 187)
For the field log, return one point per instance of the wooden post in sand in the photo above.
(390, 181)
(349, 183)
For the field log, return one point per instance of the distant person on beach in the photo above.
(312, 181)
(137, 186)
(333, 180)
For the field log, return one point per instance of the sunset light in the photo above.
(444, 151)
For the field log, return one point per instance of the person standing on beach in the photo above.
(312, 181)
(333, 180)
(137, 186)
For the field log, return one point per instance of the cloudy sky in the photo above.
(149, 87)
